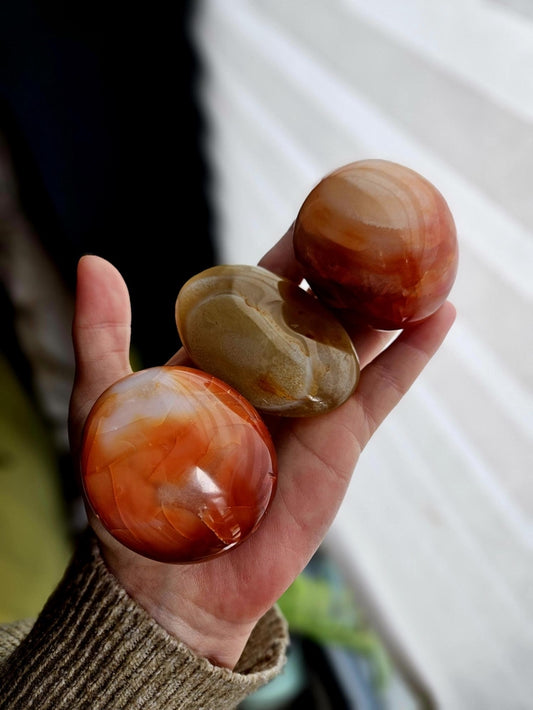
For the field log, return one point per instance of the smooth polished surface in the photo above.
(378, 244)
(177, 465)
(267, 337)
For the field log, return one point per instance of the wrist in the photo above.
(218, 641)
(163, 591)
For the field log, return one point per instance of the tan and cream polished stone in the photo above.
(267, 337)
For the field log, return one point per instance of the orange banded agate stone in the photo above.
(177, 465)
(271, 340)
(377, 244)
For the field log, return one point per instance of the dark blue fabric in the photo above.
(100, 110)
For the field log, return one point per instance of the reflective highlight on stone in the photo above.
(177, 465)
(267, 337)
(378, 244)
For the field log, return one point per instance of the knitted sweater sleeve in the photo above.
(94, 648)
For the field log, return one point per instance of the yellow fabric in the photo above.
(34, 543)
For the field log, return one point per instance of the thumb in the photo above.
(101, 334)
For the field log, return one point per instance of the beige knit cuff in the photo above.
(95, 648)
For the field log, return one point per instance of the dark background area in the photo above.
(99, 108)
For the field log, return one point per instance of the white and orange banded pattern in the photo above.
(377, 243)
(177, 465)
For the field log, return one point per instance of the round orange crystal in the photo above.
(177, 465)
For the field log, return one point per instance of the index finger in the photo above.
(280, 258)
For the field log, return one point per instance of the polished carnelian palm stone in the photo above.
(177, 465)
(267, 337)
(377, 243)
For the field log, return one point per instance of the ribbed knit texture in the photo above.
(94, 648)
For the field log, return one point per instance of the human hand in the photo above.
(212, 606)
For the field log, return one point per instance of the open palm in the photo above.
(212, 606)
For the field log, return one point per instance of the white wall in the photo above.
(437, 527)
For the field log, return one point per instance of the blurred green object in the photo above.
(320, 606)
(34, 541)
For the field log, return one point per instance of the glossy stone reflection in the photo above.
(378, 244)
(177, 465)
(267, 337)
